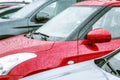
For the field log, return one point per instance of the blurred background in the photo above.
(17, 0)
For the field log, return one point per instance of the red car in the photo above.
(84, 31)
(9, 4)
(2, 7)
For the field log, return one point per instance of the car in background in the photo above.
(13, 3)
(7, 12)
(10, 4)
(2, 7)
(82, 32)
(32, 16)
(104, 68)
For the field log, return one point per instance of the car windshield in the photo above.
(61, 26)
(108, 63)
(27, 10)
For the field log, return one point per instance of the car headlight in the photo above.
(9, 62)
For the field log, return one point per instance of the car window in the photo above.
(49, 10)
(66, 22)
(57, 7)
(29, 9)
(9, 13)
(53, 9)
(110, 21)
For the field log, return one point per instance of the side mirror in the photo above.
(42, 17)
(99, 35)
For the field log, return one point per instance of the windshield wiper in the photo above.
(38, 33)
(42, 36)
(100, 62)
(104, 61)
(111, 68)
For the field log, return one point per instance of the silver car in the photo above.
(7, 12)
(32, 16)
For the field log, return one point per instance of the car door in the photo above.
(109, 21)
(48, 11)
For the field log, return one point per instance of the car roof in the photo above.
(98, 3)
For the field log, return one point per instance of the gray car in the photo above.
(7, 12)
(32, 16)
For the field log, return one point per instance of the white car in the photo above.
(105, 68)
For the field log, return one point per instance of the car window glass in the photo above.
(55, 8)
(117, 57)
(110, 21)
(8, 13)
(50, 10)
(29, 9)
(67, 21)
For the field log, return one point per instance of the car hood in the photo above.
(84, 71)
(21, 42)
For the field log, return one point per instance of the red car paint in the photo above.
(51, 54)
(99, 35)
(98, 3)
(1, 7)
(56, 55)
(21, 42)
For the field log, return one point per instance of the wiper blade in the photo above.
(100, 62)
(42, 36)
(111, 68)
(38, 33)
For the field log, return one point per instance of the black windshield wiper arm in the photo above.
(42, 36)
(38, 33)
(112, 69)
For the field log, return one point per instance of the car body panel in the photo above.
(7, 24)
(21, 42)
(85, 70)
(47, 52)
(99, 3)
(97, 50)
(52, 54)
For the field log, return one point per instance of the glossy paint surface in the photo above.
(99, 35)
(99, 3)
(51, 54)
(54, 54)
(1, 7)
(21, 42)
